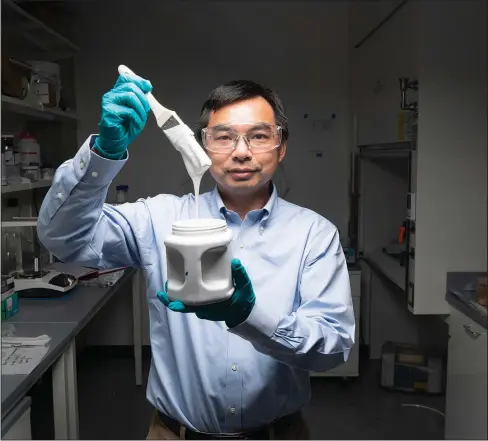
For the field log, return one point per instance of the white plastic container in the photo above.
(48, 88)
(199, 261)
(30, 151)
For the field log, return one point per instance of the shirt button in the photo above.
(234, 367)
(241, 246)
(232, 410)
(82, 165)
(59, 195)
(95, 174)
(261, 229)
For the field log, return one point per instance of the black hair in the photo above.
(240, 90)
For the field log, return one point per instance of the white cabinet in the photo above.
(16, 424)
(466, 393)
(351, 367)
(377, 65)
(445, 51)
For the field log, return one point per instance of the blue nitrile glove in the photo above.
(124, 115)
(232, 311)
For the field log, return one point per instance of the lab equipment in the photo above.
(48, 84)
(30, 172)
(124, 115)
(122, 193)
(198, 261)
(4, 169)
(232, 311)
(8, 146)
(181, 136)
(8, 284)
(30, 150)
(29, 262)
(7, 154)
(10, 160)
(10, 304)
(259, 137)
(10, 299)
(21, 246)
(44, 283)
(10, 248)
(30, 157)
(411, 369)
(47, 172)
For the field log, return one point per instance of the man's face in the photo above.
(242, 171)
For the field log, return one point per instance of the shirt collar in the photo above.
(264, 214)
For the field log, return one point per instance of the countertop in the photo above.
(61, 318)
(14, 387)
(459, 294)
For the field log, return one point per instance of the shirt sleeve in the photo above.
(76, 225)
(319, 335)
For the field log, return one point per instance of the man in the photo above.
(239, 368)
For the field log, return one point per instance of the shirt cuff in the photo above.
(91, 168)
(260, 323)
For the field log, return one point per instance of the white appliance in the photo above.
(44, 283)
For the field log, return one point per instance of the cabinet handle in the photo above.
(472, 333)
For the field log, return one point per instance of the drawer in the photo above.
(467, 354)
(355, 281)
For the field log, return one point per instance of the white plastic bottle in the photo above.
(199, 261)
(30, 151)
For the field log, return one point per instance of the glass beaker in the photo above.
(11, 257)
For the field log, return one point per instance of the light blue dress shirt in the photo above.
(206, 376)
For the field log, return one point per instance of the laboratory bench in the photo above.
(61, 319)
(466, 382)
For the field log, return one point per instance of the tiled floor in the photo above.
(112, 407)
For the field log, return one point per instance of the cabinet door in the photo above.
(377, 66)
(466, 394)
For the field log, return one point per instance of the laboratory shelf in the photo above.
(388, 266)
(23, 107)
(33, 38)
(25, 186)
(398, 149)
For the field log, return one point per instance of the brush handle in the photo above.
(124, 70)
(153, 102)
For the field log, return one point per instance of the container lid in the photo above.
(192, 226)
(122, 187)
